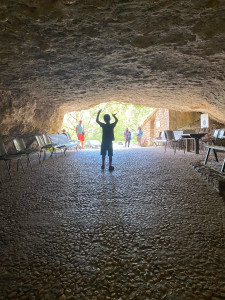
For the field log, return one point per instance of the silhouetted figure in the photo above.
(127, 136)
(107, 138)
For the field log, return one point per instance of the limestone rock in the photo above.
(65, 55)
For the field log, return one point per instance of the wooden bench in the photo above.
(215, 148)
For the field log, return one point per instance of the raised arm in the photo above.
(116, 120)
(97, 118)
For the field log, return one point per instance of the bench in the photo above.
(62, 142)
(161, 139)
(169, 137)
(215, 148)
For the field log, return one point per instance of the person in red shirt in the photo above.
(80, 133)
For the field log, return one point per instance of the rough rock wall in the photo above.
(184, 120)
(62, 55)
(22, 115)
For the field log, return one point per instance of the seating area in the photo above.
(190, 140)
(173, 139)
(217, 145)
(17, 149)
(62, 142)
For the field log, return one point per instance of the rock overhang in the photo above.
(59, 56)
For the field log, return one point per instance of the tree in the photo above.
(129, 115)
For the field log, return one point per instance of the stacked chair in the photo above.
(21, 149)
(220, 137)
(7, 158)
(174, 140)
(216, 139)
(43, 144)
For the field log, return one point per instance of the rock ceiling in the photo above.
(58, 56)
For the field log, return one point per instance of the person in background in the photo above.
(64, 131)
(139, 135)
(132, 137)
(107, 138)
(80, 133)
(127, 136)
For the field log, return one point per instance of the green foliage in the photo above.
(129, 115)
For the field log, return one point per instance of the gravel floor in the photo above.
(152, 229)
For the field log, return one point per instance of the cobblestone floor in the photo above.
(152, 229)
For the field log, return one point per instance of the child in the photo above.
(107, 138)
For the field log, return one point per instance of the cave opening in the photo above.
(130, 116)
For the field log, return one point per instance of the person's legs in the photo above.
(103, 153)
(110, 161)
(110, 153)
(111, 168)
(81, 139)
(128, 143)
(103, 162)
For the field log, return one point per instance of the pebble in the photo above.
(152, 229)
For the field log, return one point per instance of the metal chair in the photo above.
(49, 145)
(214, 137)
(47, 139)
(210, 140)
(8, 157)
(219, 141)
(174, 139)
(43, 146)
(170, 139)
(221, 134)
(24, 151)
(161, 139)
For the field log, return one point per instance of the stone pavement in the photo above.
(152, 229)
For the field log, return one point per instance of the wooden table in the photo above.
(192, 136)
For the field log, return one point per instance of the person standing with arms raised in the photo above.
(107, 138)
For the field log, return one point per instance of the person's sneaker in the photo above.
(102, 167)
(111, 168)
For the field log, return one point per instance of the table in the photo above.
(192, 136)
(215, 148)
